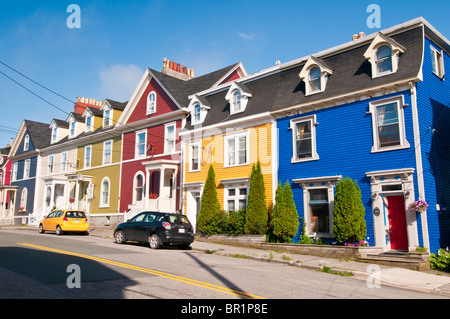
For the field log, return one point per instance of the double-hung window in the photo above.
(51, 163)
(72, 129)
(89, 124)
(104, 192)
(141, 141)
(87, 156)
(236, 101)
(26, 173)
(14, 171)
(383, 60)
(194, 156)
(64, 162)
(107, 151)
(437, 62)
(237, 149)
(236, 198)
(304, 139)
(169, 137)
(388, 124)
(314, 80)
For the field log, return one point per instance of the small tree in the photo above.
(210, 217)
(284, 223)
(349, 223)
(256, 216)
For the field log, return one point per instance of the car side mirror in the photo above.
(128, 220)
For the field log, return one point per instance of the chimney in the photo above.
(177, 70)
(358, 36)
(82, 103)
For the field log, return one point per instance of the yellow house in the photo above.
(231, 128)
(98, 163)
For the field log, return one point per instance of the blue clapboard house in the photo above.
(375, 109)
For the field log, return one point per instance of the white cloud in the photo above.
(119, 81)
(245, 36)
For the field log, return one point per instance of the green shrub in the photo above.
(211, 219)
(349, 224)
(236, 222)
(256, 217)
(284, 223)
(441, 260)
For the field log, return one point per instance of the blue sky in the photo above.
(118, 40)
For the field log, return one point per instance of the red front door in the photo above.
(397, 222)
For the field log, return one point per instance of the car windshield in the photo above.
(74, 214)
(178, 219)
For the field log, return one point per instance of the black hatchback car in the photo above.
(157, 229)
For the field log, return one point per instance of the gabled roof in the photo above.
(116, 105)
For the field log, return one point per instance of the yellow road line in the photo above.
(149, 271)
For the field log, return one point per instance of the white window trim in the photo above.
(15, 168)
(136, 149)
(203, 110)
(153, 109)
(72, 122)
(235, 136)
(236, 197)
(134, 186)
(26, 142)
(110, 120)
(90, 156)
(293, 124)
(54, 134)
(51, 164)
(399, 100)
(243, 100)
(89, 128)
(24, 198)
(166, 144)
(197, 143)
(27, 168)
(328, 182)
(439, 62)
(324, 73)
(370, 54)
(102, 204)
(64, 161)
(104, 152)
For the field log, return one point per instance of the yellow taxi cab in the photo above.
(62, 220)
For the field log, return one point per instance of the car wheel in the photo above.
(41, 229)
(58, 230)
(154, 241)
(119, 237)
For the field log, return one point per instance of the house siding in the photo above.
(344, 142)
(433, 100)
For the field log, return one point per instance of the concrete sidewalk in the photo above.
(432, 281)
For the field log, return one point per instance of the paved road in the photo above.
(36, 265)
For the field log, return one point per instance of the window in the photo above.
(235, 198)
(54, 134)
(304, 139)
(383, 60)
(72, 129)
(141, 141)
(197, 113)
(236, 149)
(169, 138)
(151, 103)
(314, 80)
(64, 162)
(236, 101)
(14, 171)
(437, 61)
(104, 193)
(107, 151)
(107, 117)
(89, 123)
(138, 194)
(26, 142)
(388, 124)
(87, 156)
(51, 163)
(194, 156)
(26, 170)
(318, 204)
(23, 199)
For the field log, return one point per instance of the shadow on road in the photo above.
(224, 280)
(49, 275)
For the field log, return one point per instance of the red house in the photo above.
(150, 125)
(7, 192)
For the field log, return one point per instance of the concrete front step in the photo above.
(399, 259)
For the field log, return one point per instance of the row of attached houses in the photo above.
(375, 109)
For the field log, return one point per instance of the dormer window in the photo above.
(72, 128)
(54, 134)
(198, 108)
(383, 54)
(107, 116)
(89, 124)
(314, 80)
(151, 103)
(315, 75)
(238, 96)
